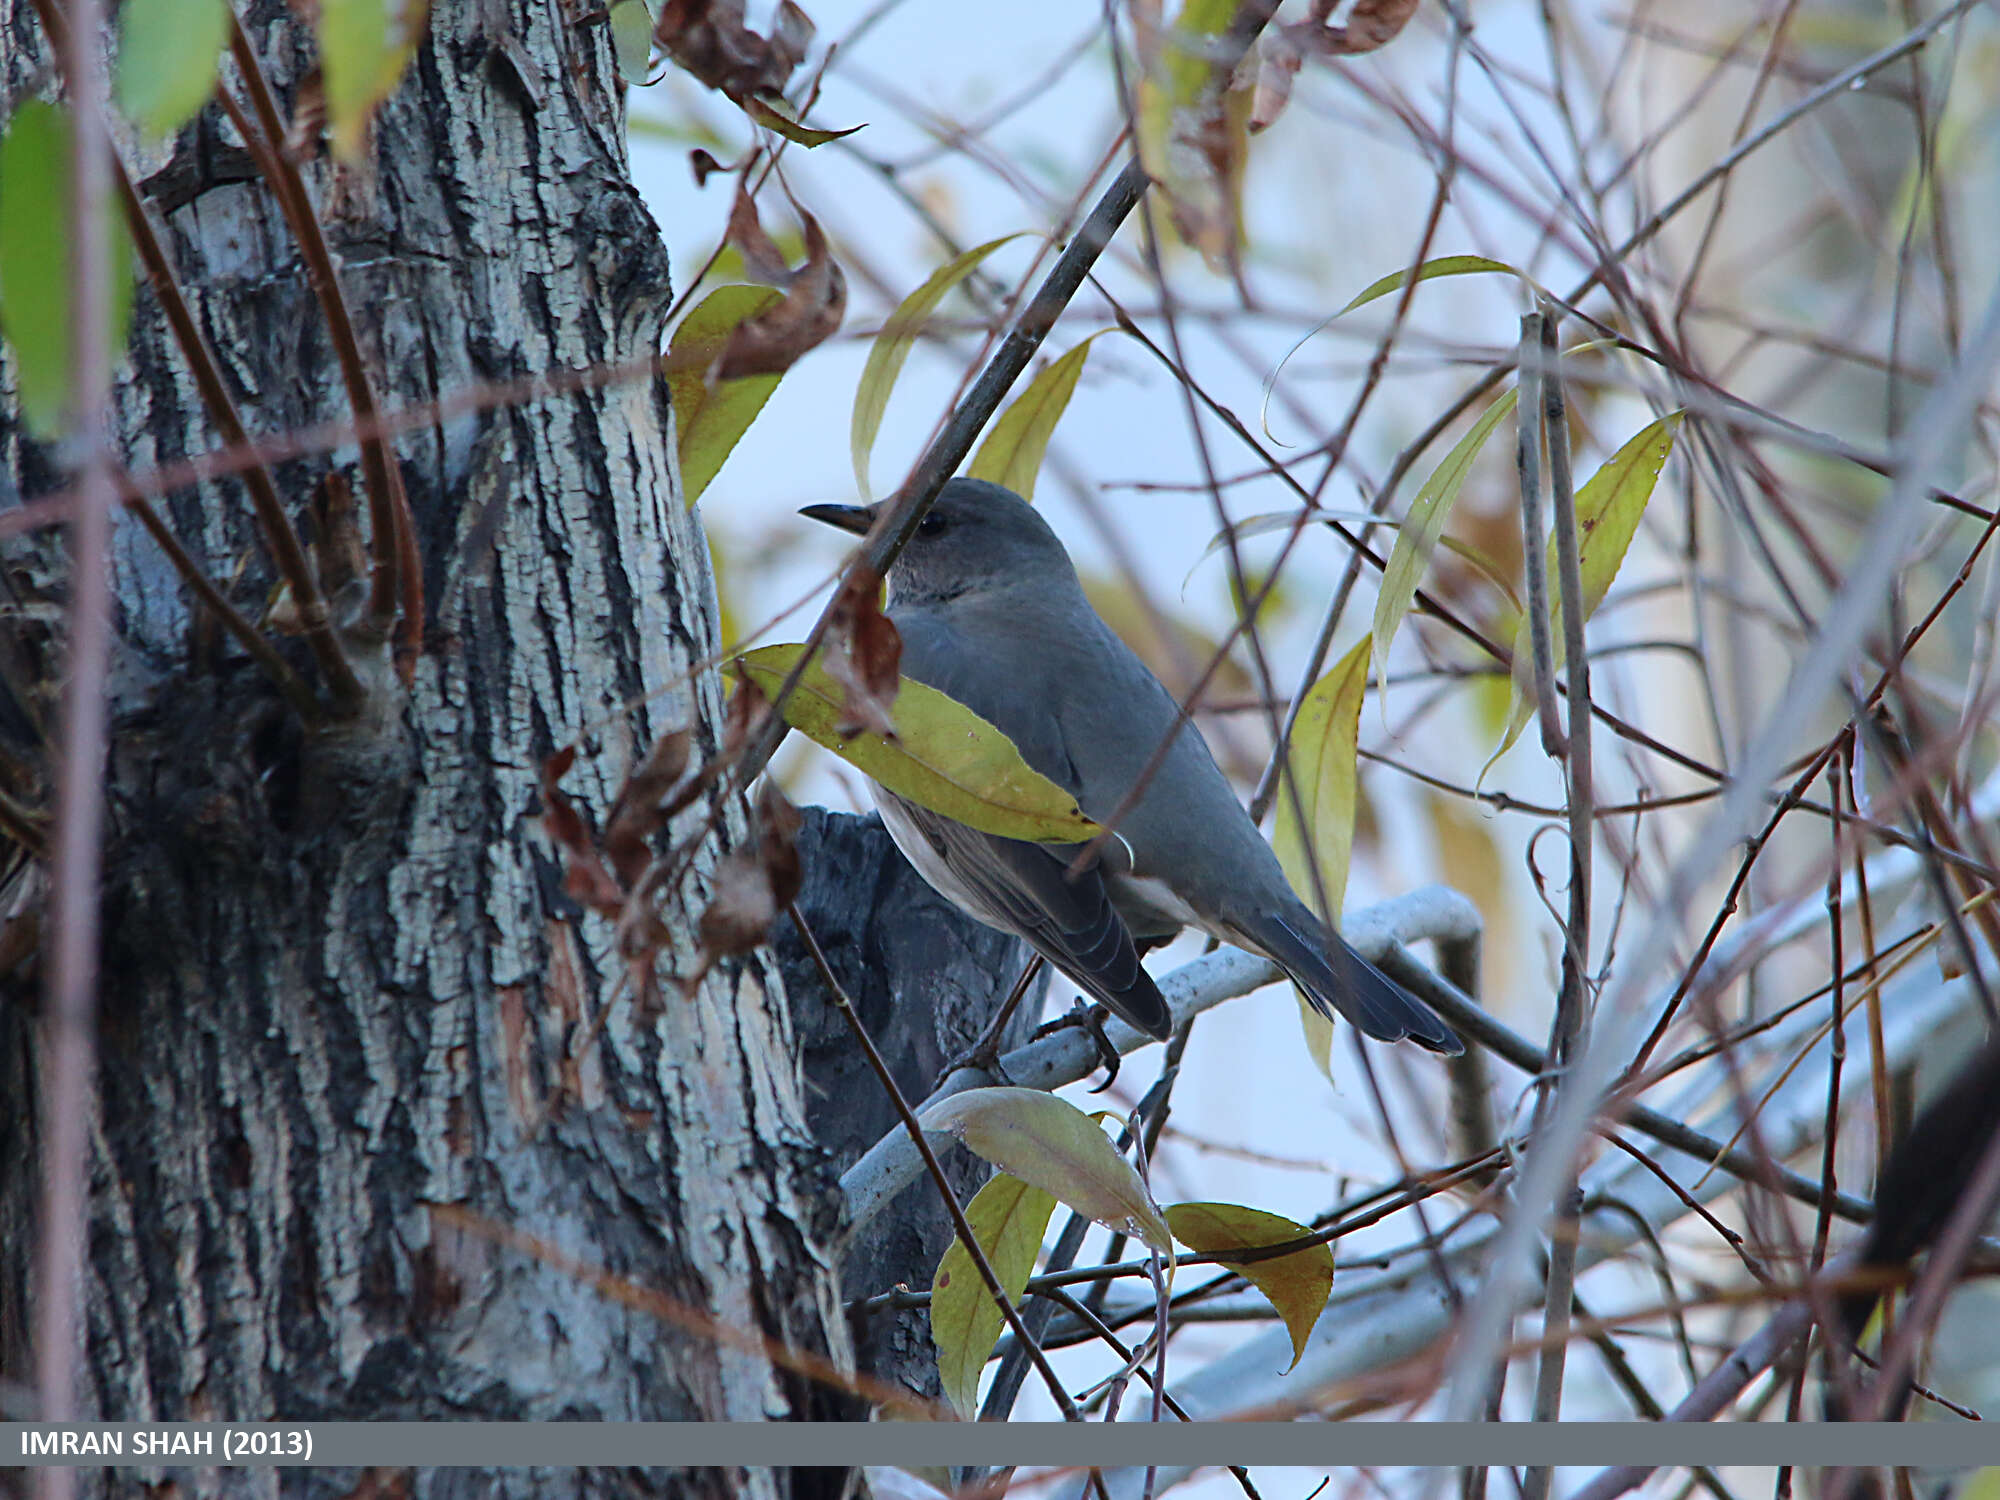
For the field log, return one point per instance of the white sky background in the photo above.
(1337, 196)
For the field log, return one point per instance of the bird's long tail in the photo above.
(1335, 978)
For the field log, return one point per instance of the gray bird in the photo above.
(991, 614)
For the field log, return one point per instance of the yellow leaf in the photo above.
(1297, 1285)
(1008, 1218)
(944, 757)
(1054, 1145)
(892, 347)
(1316, 799)
(1012, 452)
(776, 114)
(708, 420)
(1608, 510)
(1419, 533)
(364, 46)
(1443, 265)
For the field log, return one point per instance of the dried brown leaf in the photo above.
(864, 654)
(584, 875)
(741, 909)
(1371, 24)
(638, 812)
(778, 824)
(815, 300)
(708, 38)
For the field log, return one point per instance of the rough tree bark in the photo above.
(340, 971)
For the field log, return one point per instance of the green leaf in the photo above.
(1297, 1285)
(1425, 524)
(1322, 758)
(892, 347)
(1052, 1144)
(945, 757)
(632, 39)
(35, 308)
(168, 51)
(1008, 1218)
(364, 46)
(1608, 511)
(1443, 265)
(1012, 452)
(775, 114)
(708, 420)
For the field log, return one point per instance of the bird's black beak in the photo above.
(854, 518)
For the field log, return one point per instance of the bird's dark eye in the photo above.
(931, 524)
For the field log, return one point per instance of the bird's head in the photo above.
(976, 538)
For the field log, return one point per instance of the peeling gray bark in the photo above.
(340, 972)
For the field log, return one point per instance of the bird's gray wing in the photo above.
(1335, 978)
(1027, 889)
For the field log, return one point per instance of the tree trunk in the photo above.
(340, 972)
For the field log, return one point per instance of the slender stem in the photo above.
(931, 1164)
(385, 495)
(70, 1026)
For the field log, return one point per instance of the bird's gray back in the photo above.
(1044, 669)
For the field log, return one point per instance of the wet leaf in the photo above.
(364, 46)
(35, 307)
(1052, 1144)
(1443, 265)
(1608, 510)
(1193, 126)
(863, 654)
(1322, 759)
(710, 415)
(1008, 1219)
(168, 51)
(945, 757)
(1419, 534)
(775, 114)
(1297, 1285)
(1013, 450)
(809, 313)
(892, 348)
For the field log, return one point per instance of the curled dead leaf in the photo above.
(709, 39)
(741, 908)
(864, 654)
(1371, 24)
(640, 809)
(585, 878)
(778, 825)
(815, 298)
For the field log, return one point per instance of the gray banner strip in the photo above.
(912, 1444)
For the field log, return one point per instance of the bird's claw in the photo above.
(1091, 1018)
(982, 1056)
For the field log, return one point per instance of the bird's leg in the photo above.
(1091, 1017)
(984, 1054)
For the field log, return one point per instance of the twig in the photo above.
(915, 1129)
(390, 531)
